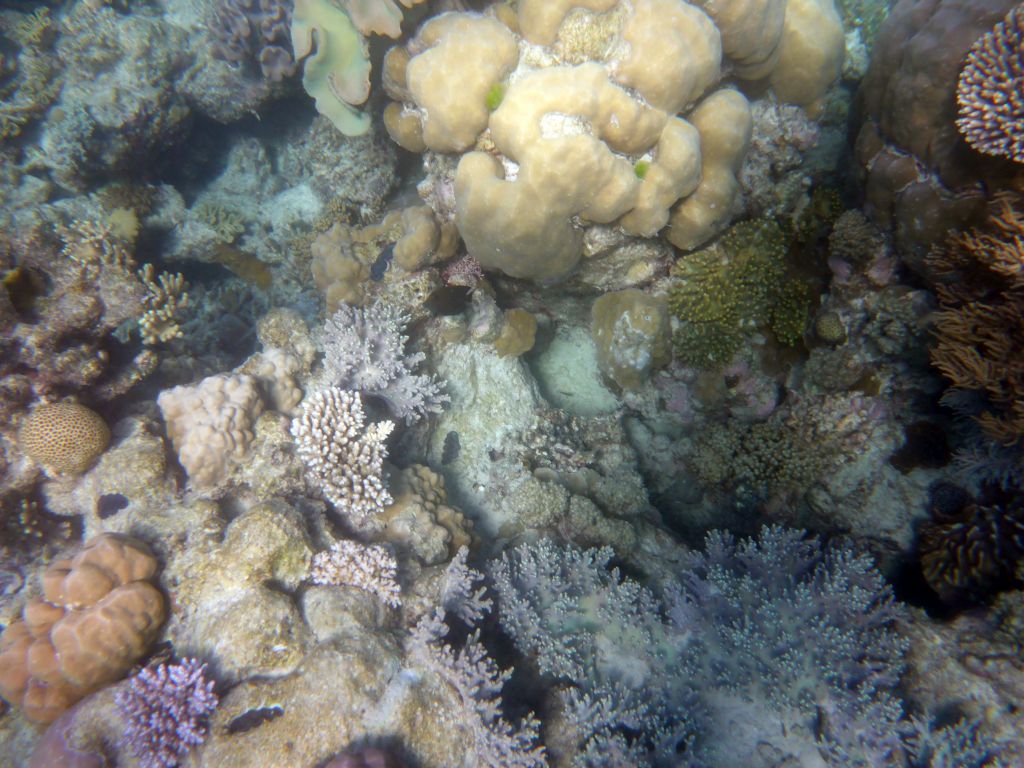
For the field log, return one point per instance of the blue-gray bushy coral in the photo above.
(768, 652)
(364, 350)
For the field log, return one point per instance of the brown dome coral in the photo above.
(97, 617)
(66, 438)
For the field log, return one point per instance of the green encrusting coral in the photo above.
(726, 291)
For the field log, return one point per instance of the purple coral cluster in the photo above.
(991, 90)
(255, 30)
(165, 708)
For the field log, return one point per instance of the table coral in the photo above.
(96, 618)
(66, 438)
(990, 91)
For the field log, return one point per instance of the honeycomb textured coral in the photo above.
(65, 438)
(96, 619)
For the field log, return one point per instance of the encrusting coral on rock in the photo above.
(989, 91)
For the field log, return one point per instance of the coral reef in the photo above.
(474, 676)
(211, 424)
(979, 331)
(420, 521)
(369, 567)
(971, 547)
(257, 33)
(919, 180)
(988, 92)
(582, 292)
(337, 73)
(631, 332)
(65, 438)
(658, 675)
(725, 292)
(364, 351)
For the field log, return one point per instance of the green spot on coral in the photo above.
(641, 168)
(495, 96)
(336, 70)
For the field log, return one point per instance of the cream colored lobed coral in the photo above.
(97, 616)
(211, 424)
(572, 113)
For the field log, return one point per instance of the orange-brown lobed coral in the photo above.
(96, 619)
(980, 329)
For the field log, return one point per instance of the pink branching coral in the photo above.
(165, 709)
(991, 90)
(369, 567)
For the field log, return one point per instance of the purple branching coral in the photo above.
(364, 350)
(255, 31)
(771, 651)
(165, 709)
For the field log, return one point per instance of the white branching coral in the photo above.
(364, 350)
(343, 454)
(369, 567)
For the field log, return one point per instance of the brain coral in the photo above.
(581, 112)
(65, 438)
(96, 618)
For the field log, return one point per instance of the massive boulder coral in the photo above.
(211, 424)
(96, 618)
(573, 114)
(65, 438)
